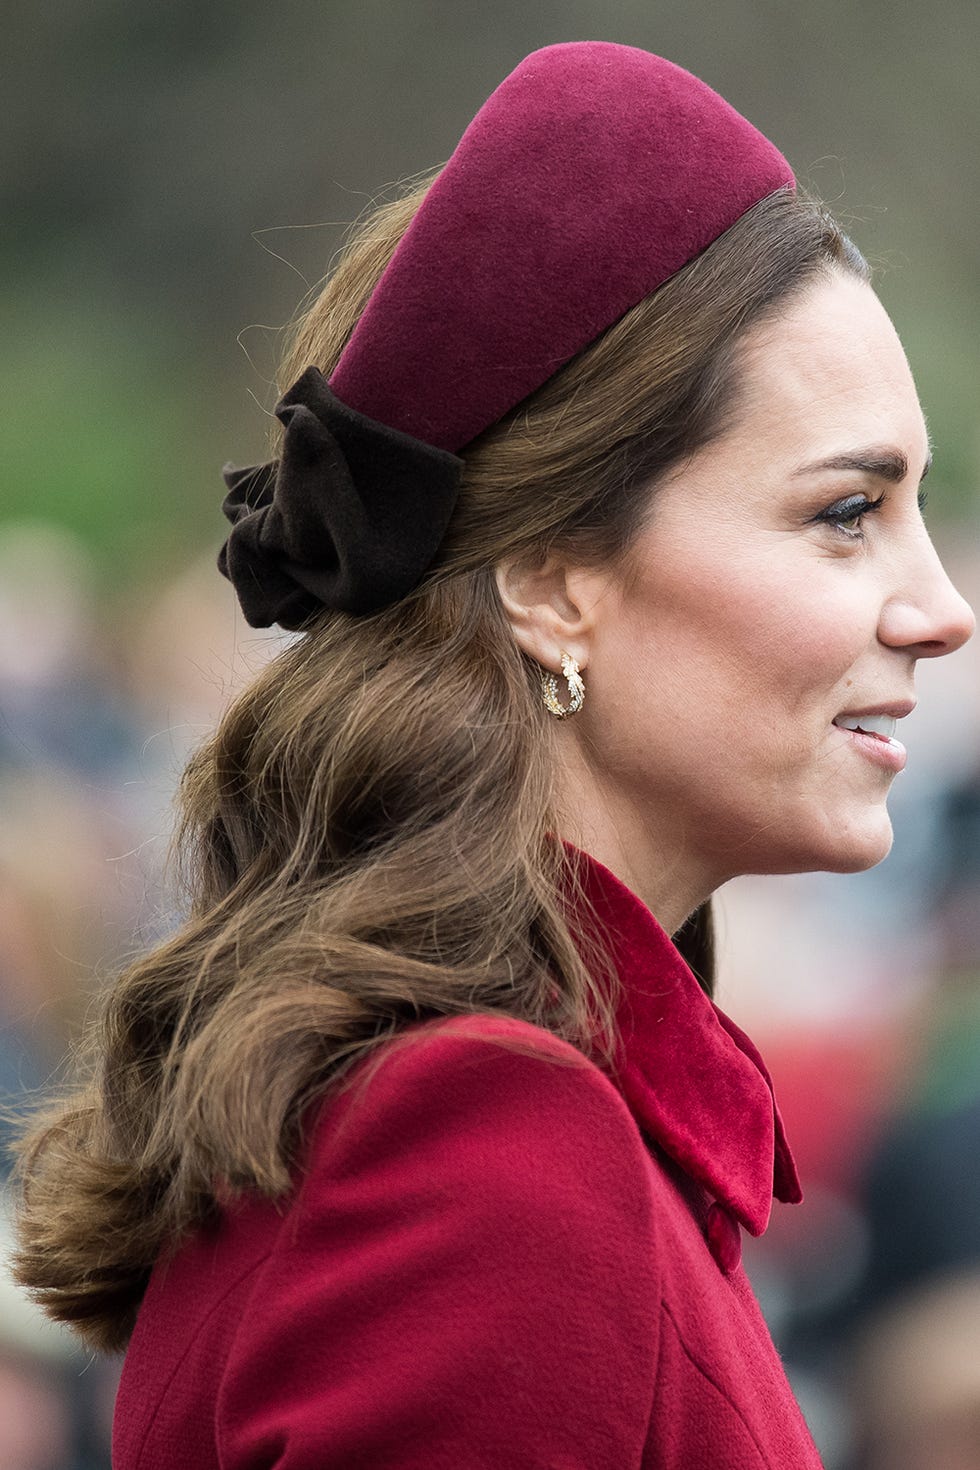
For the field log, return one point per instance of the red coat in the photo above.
(493, 1262)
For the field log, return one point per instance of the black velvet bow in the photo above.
(350, 515)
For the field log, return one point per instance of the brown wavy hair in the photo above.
(363, 842)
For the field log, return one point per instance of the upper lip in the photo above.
(896, 710)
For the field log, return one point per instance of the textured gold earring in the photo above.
(576, 689)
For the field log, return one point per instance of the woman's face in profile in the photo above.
(780, 593)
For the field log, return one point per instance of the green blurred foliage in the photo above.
(104, 437)
(170, 173)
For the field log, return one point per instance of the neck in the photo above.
(633, 843)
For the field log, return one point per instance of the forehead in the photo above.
(828, 372)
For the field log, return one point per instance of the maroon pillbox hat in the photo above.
(591, 175)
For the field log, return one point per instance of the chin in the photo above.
(837, 846)
(855, 848)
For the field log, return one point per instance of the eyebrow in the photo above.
(884, 464)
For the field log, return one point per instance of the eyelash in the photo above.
(855, 508)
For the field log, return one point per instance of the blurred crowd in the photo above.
(863, 992)
(97, 714)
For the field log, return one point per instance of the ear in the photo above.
(552, 608)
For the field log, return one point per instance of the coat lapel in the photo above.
(693, 1080)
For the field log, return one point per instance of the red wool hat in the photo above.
(591, 175)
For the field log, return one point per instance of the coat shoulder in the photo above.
(494, 1091)
(475, 1197)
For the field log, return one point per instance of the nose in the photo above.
(927, 617)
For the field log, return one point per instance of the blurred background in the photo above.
(174, 178)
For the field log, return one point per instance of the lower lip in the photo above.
(891, 755)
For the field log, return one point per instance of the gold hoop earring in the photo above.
(576, 689)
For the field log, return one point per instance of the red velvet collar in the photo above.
(693, 1080)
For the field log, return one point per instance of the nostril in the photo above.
(904, 624)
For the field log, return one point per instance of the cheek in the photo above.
(743, 642)
(806, 636)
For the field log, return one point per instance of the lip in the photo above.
(890, 754)
(897, 710)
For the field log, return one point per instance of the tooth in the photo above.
(879, 725)
(871, 724)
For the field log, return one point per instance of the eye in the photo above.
(846, 515)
